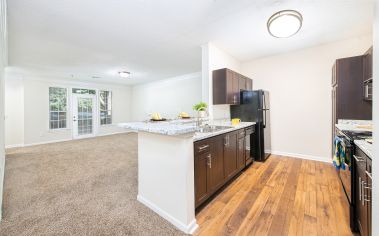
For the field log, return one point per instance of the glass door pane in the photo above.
(85, 119)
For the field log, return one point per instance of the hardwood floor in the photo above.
(282, 196)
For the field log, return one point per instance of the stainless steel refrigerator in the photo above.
(255, 107)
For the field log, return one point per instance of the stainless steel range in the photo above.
(347, 175)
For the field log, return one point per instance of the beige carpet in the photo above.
(84, 187)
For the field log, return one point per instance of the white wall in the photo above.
(300, 90)
(3, 64)
(168, 97)
(14, 111)
(27, 108)
(214, 58)
(375, 172)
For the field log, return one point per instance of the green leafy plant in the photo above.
(201, 106)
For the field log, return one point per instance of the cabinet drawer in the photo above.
(202, 147)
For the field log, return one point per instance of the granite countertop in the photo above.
(161, 127)
(185, 127)
(201, 136)
(365, 147)
(354, 125)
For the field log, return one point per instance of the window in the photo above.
(58, 108)
(105, 107)
(83, 91)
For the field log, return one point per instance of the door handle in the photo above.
(209, 160)
(203, 147)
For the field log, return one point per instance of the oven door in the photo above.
(346, 174)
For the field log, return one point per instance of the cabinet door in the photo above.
(369, 195)
(230, 155)
(236, 88)
(367, 61)
(216, 164)
(361, 203)
(249, 84)
(241, 153)
(201, 178)
(230, 90)
(242, 82)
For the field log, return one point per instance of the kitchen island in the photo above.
(166, 167)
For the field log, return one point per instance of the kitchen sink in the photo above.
(212, 128)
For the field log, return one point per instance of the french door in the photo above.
(84, 115)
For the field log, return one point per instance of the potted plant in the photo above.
(201, 109)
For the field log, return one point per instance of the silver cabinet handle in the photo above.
(369, 174)
(360, 189)
(203, 147)
(226, 141)
(367, 199)
(209, 160)
(358, 159)
(363, 193)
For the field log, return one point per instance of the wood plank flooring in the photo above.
(282, 196)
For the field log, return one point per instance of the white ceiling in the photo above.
(156, 39)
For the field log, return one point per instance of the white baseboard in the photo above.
(188, 229)
(14, 145)
(61, 140)
(118, 132)
(303, 156)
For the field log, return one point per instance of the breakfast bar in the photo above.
(166, 167)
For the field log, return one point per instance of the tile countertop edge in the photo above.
(365, 147)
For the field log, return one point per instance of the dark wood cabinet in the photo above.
(217, 160)
(227, 85)
(369, 195)
(241, 160)
(216, 164)
(230, 154)
(362, 207)
(201, 180)
(367, 64)
(347, 81)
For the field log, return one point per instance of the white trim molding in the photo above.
(188, 229)
(303, 156)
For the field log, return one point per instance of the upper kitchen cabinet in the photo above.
(347, 92)
(367, 65)
(227, 85)
(367, 75)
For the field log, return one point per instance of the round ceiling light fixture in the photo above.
(124, 74)
(284, 24)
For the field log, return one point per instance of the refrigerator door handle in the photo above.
(264, 119)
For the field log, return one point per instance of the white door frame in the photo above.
(74, 111)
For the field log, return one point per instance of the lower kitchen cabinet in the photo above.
(217, 160)
(201, 177)
(363, 190)
(216, 164)
(230, 154)
(241, 150)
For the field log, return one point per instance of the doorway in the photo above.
(84, 115)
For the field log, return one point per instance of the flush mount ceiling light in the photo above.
(124, 74)
(284, 24)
